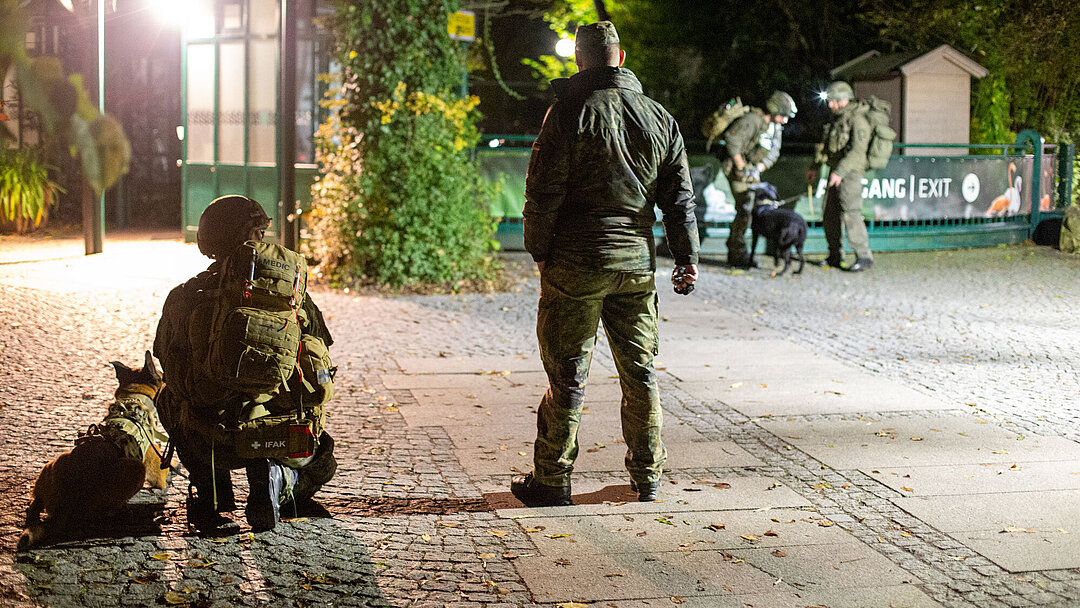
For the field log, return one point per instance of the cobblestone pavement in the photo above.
(988, 331)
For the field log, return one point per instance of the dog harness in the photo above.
(131, 424)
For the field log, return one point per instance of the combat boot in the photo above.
(267, 481)
(535, 494)
(204, 519)
(646, 491)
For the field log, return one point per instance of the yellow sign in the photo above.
(463, 26)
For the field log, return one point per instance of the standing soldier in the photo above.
(604, 157)
(751, 145)
(844, 149)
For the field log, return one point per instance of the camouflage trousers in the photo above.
(736, 241)
(572, 304)
(843, 207)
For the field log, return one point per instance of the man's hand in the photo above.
(683, 279)
(834, 180)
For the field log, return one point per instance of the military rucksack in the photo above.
(718, 122)
(254, 333)
(882, 136)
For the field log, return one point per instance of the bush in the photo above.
(400, 201)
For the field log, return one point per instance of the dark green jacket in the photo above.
(605, 156)
(846, 137)
(744, 137)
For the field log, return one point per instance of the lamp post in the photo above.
(93, 212)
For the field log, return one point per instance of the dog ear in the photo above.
(150, 368)
(123, 372)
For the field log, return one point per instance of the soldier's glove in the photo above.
(679, 280)
(749, 174)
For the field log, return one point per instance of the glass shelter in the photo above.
(231, 132)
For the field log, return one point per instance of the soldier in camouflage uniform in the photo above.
(843, 149)
(751, 145)
(606, 154)
(190, 402)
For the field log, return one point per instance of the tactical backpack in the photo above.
(254, 334)
(718, 122)
(882, 136)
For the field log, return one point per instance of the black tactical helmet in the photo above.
(781, 104)
(227, 222)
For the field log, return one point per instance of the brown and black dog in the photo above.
(108, 464)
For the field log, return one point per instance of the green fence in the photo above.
(930, 196)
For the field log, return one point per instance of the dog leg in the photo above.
(753, 247)
(798, 249)
(156, 476)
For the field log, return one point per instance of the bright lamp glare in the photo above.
(565, 47)
(195, 18)
(823, 96)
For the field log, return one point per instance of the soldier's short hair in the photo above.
(597, 44)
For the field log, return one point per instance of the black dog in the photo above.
(782, 228)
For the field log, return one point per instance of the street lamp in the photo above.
(565, 48)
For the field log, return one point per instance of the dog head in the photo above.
(148, 376)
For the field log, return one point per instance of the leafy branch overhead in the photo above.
(63, 105)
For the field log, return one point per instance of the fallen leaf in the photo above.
(821, 486)
(722, 485)
(749, 537)
(163, 557)
(571, 605)
(676, 599)
(615, 574)
(716, 527)
(771, 533)
(1013, 529)
(736, 385)
(426, 537)
(779, 553)
(174, 598)
(824, 523)
(1000, 452)
(665, 520)
(558, 535)
(448, 524)
(916, 438)
(499, 533)
(906, 489)
(486, 555)
(562, 561)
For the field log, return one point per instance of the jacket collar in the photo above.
(581, 84)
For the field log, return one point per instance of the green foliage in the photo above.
(26, 192)
(563, 18)
(62, 105)
(399, 202)
(1030, 47)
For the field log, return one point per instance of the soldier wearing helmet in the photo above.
(193, 401)
(751, 145)
(844, 148)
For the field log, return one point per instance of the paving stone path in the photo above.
(903, 437)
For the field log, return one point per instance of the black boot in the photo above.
(204, 519)
(535, 494)
(646, 491)
(266, 482)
